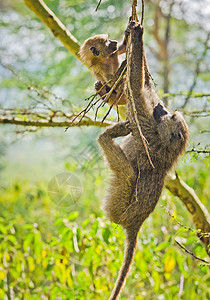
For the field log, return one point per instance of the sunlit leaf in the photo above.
(170, 263)
(162, 246)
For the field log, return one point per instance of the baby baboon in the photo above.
(100, 54)
(136, 185)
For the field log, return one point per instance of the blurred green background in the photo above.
(54, 251)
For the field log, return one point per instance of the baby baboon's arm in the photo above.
(117, 92)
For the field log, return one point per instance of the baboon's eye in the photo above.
(94, 51)
(173, 117)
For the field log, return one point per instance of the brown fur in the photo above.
(136, 186)
(103, 63)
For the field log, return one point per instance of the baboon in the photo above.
(100, 54)
(136, 184)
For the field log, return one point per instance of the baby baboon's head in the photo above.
(98, 47)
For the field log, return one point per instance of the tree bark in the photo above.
(55, 25)
(51, 123)
(200, 214)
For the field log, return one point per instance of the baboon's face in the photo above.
(98, 47)
(103, 48)
(172, 128)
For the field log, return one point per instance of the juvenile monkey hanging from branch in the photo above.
(136, 184)
(101, 54)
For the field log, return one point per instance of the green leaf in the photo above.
(162, 246)
(106, 233)
(12, 239)
(73, 215)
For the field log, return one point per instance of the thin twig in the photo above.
(97, 111)
(40, 91)
(118, 116)
(142, 12)
(110, 108)
(134, 16)
(115, 84)
(192, 254)
(98, 5)
(197, 232)
(85, 111)
(90, 104)
(111, 91)
(198, 151)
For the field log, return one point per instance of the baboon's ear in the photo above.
(94, 51)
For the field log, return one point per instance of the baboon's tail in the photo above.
(130, 247)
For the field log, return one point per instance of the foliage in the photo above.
(81, 261)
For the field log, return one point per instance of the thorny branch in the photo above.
(48, 104)
(46, 120)
(198, 114)
(192, 254)
(90, 105)
(198, 151)
(39, 91)
(198, 232)
(183, 94)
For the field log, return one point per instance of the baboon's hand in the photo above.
(98, 85)
(102, 90)
(135, 26)
(123, 126)
(117, 130)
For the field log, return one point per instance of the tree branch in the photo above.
(55, 25)
(50, 123)
(198, 151)
(200, 214)
(161, 44)
(191, 253)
